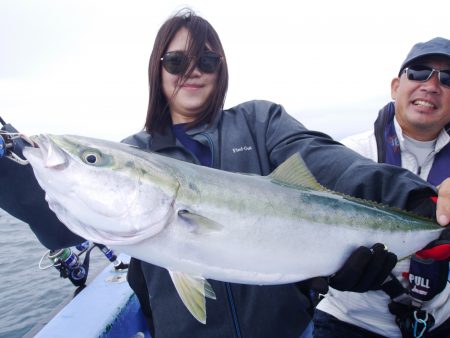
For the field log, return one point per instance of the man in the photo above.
(411, 132)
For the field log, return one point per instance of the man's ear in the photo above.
(395, 83)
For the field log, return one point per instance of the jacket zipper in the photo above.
(211, 146)
(427, 159)
(233, 310)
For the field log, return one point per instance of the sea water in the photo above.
(28, 295)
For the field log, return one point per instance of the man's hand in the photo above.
(366, 269)
(443, 203)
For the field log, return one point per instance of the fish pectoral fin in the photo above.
(199, 224)
(192, 291)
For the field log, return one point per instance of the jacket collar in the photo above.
(161, 141)
(389, 138)
(441, 141)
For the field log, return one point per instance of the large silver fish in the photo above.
(200, 223)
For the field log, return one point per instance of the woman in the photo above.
(188, 80)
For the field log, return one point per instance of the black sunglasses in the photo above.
(424, 73)
(177, 62)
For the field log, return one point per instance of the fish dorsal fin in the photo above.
(294, 172)
(192, 291)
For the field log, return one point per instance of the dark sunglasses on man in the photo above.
(424, 73)
(177, 62)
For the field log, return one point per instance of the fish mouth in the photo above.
(46, 151)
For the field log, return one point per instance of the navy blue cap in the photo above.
(436, 46)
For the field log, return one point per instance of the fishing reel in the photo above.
(69, 263)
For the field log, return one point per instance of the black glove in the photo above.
(366, 269)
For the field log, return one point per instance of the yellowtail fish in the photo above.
(200, 223)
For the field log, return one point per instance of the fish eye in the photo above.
(92, 157)
(96, 158)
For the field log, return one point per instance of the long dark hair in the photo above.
(201, 34)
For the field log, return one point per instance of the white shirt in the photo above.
(369, 310)
(366, 145)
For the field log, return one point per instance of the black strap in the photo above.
(395, 290)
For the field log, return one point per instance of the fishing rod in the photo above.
(7, 143)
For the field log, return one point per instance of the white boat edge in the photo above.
(106, 307)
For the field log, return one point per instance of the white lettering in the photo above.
(420, 281)
(418, 291)
(244, 148)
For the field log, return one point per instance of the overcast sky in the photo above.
(80, 67)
